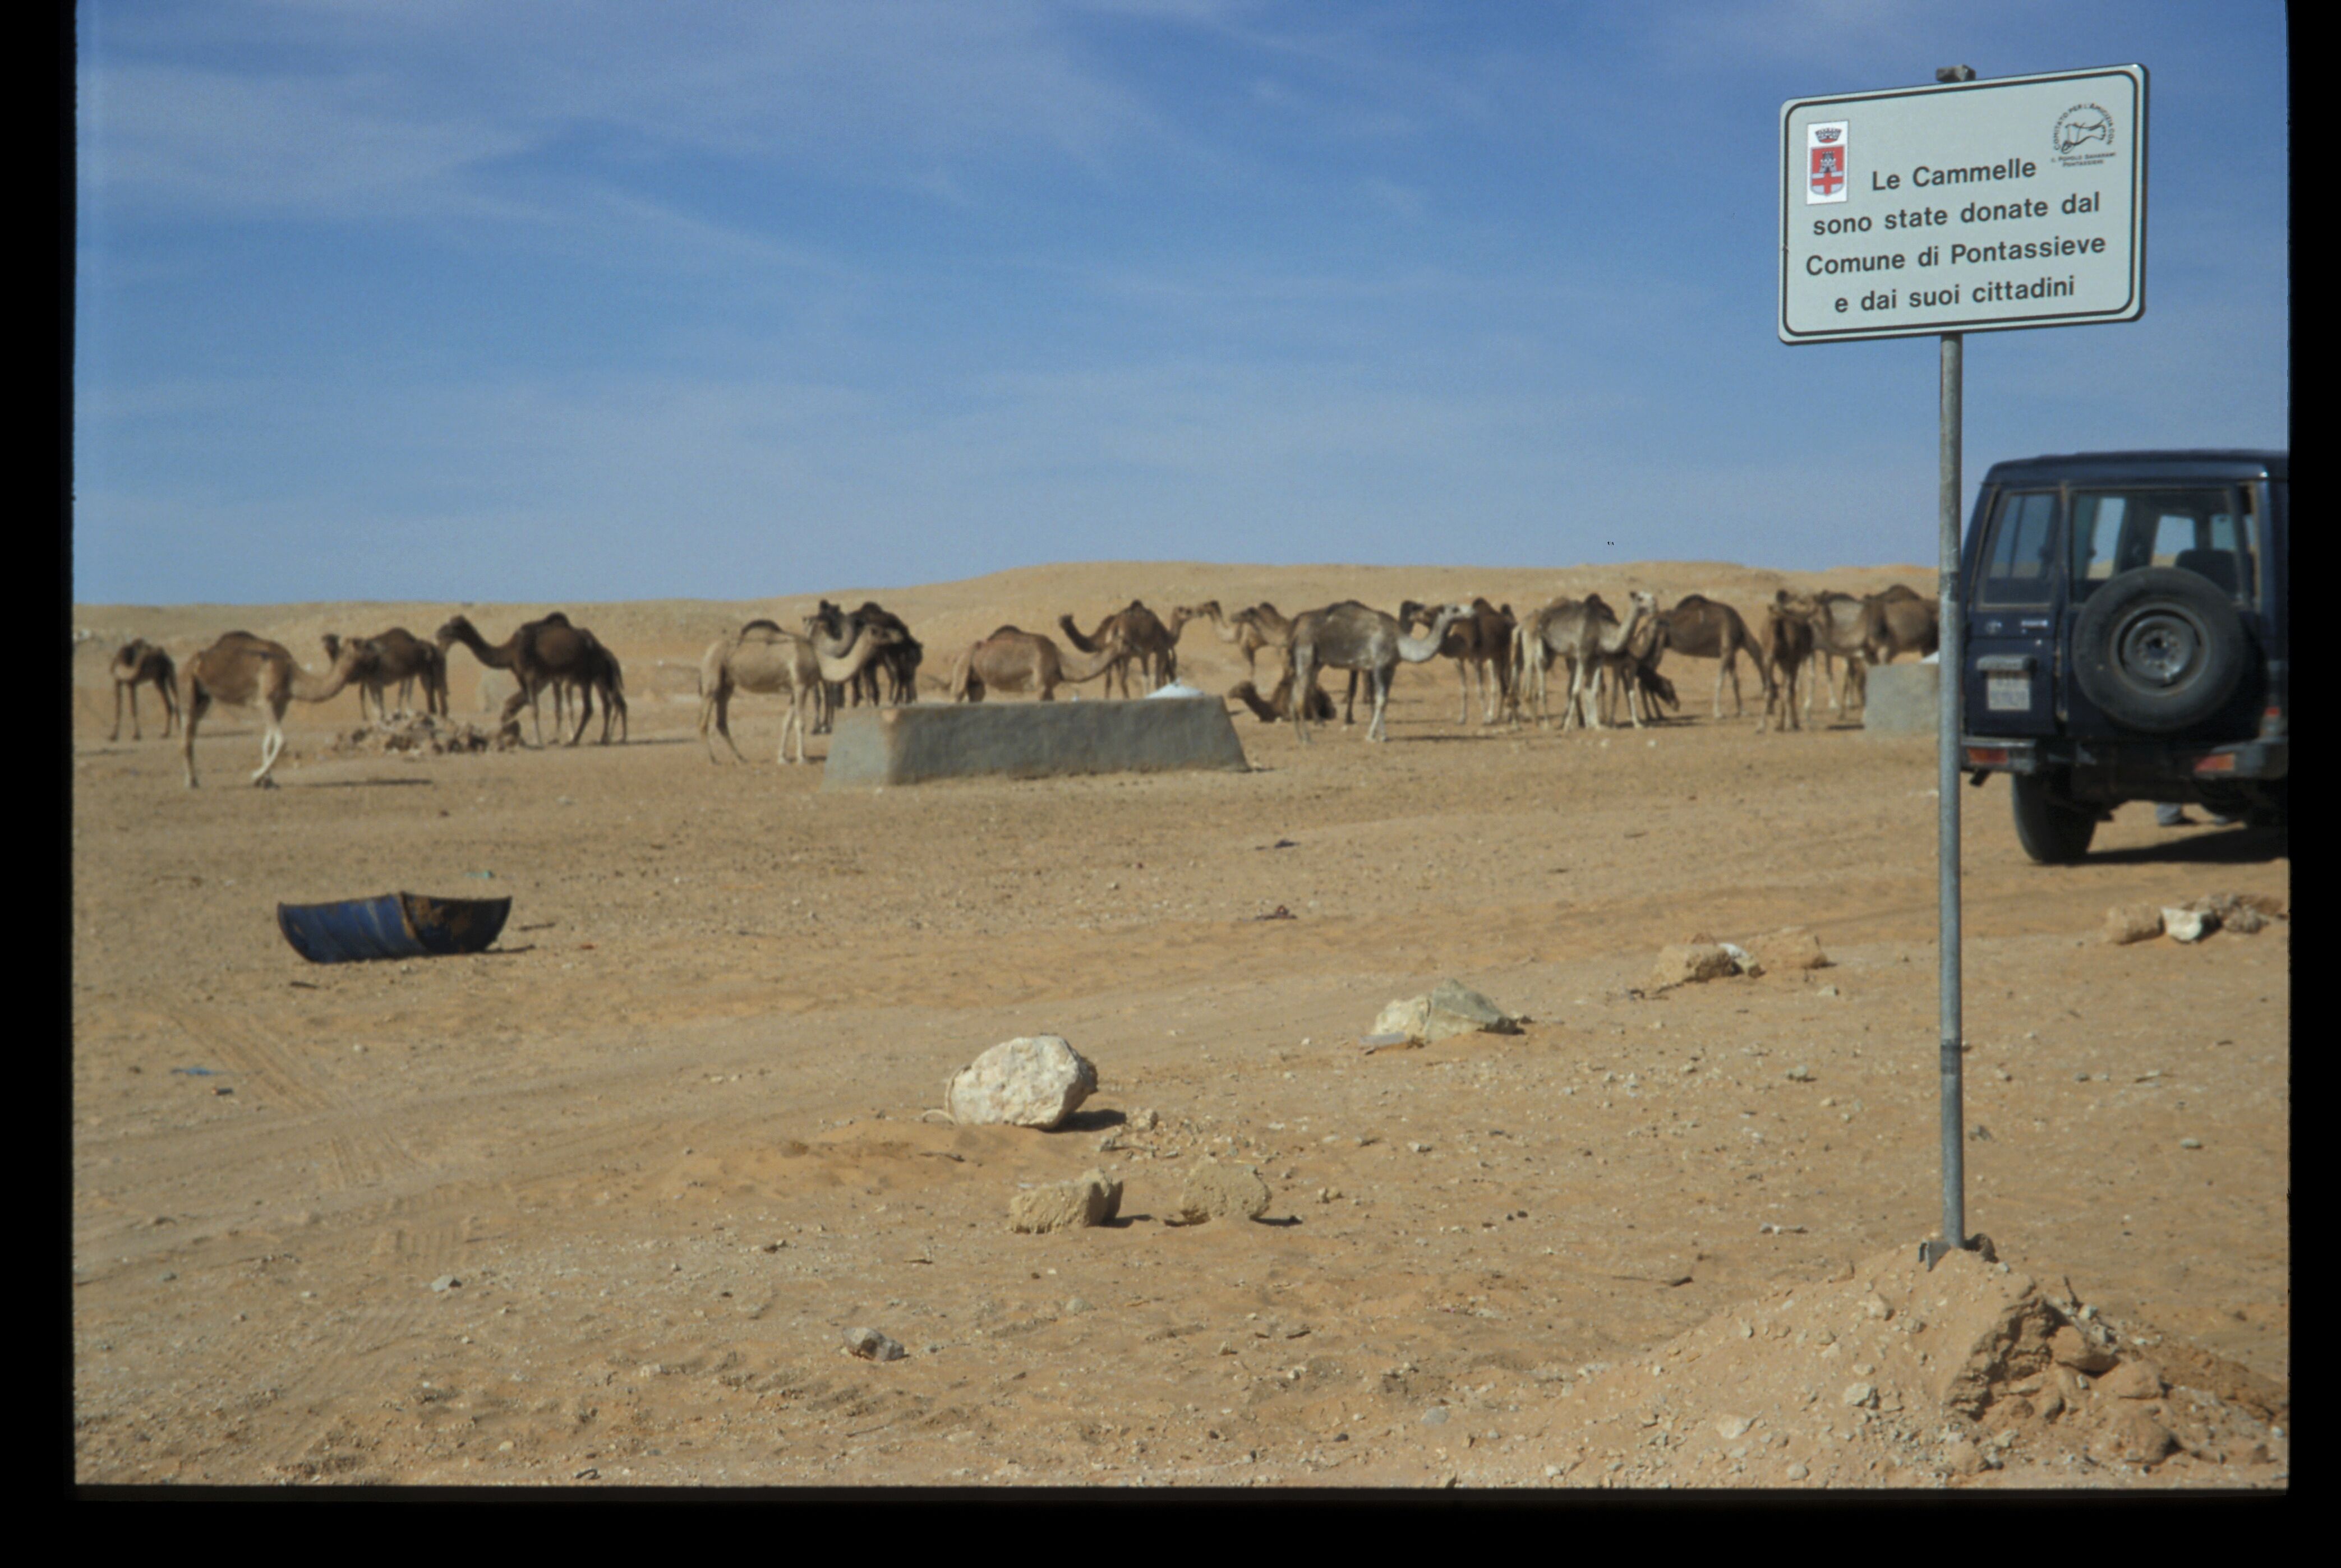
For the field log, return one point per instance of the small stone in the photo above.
(1142, 1121)
(871, 1345)
(1860, 1395)
(1831, 991)
(1214, 1190)
(1075, 1306)
(2188, 925)
(2190, 1142)
(2144, 1440)
(1091, 1199)
(1687, 963)
(1800, 1074)
(1798, 1473)
(2127, 923)
(1732, 1428)
(2072, 1348)
(2133, 1380)
(1034, 1081)
(1435, 1417)
(1792, 948)
(1961, 1457)
(1875, 1306)
(444, 1283)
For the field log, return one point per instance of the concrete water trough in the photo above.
(1030, 741)
(1901, 699)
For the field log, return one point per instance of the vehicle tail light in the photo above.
(2217, 762)
(1987, 756)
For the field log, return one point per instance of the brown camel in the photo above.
(1481, 639)
(397, 656)
(1278, 704)
(1788, 643)
(1151, 645)
(768, 660)
(601, 677)
(136, 663)
(1892, 625)
(1012, 660)
(241, 671)
(549, 653)
(1704, 628)
(1351, 636)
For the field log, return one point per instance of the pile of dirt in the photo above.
(419, 735)
(1894, 1375)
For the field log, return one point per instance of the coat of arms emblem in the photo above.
(1824, 164)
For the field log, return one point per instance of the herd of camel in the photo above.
(868, 655)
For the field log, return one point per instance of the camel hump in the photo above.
(763, 625)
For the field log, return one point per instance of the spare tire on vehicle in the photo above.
(2158, 649)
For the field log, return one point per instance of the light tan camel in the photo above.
(1262, 626)
(1481, 639)
(1788, 643)
(1704, 628)
(545, 653)
(1012, 660)
(898, 663)
(1838, 622)
(401, 657)
(136, 663)
(1352, 636)
(1631, 673)
(1153, 644)
(1585, 635)
(241, 671)
(765, 660)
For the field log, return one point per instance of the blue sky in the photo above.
(509, 301)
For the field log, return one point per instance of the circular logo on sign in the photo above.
(2084, 128)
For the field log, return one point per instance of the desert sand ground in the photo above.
(667, 1139)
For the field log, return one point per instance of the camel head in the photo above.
(447, 636)
(333, 641)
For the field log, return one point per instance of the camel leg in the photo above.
(1463, 680)
(1379, 680)
(585, 714)
(271, 744)
(170, 700)
(198, 702)
(117, 712)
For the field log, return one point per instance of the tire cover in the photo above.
(2158, 648)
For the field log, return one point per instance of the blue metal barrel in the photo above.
(393, 926)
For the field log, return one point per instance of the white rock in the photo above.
(2188, 925)
(1035, 1081)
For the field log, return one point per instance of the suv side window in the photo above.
(2022, 555)
(2209, 532)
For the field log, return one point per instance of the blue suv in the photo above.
(2126, 627)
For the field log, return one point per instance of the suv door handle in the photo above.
(2006, 664)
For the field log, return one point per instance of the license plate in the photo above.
(2007, 693)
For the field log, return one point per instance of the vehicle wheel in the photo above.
(2052, 833)
(2157, 648)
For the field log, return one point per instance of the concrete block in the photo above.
(1901, 699)
(1029, 740)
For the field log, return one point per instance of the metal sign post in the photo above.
(1967, 206)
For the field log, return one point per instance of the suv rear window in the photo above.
(2021, 558)
(2212, 533)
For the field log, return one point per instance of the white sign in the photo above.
(1971, 206)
